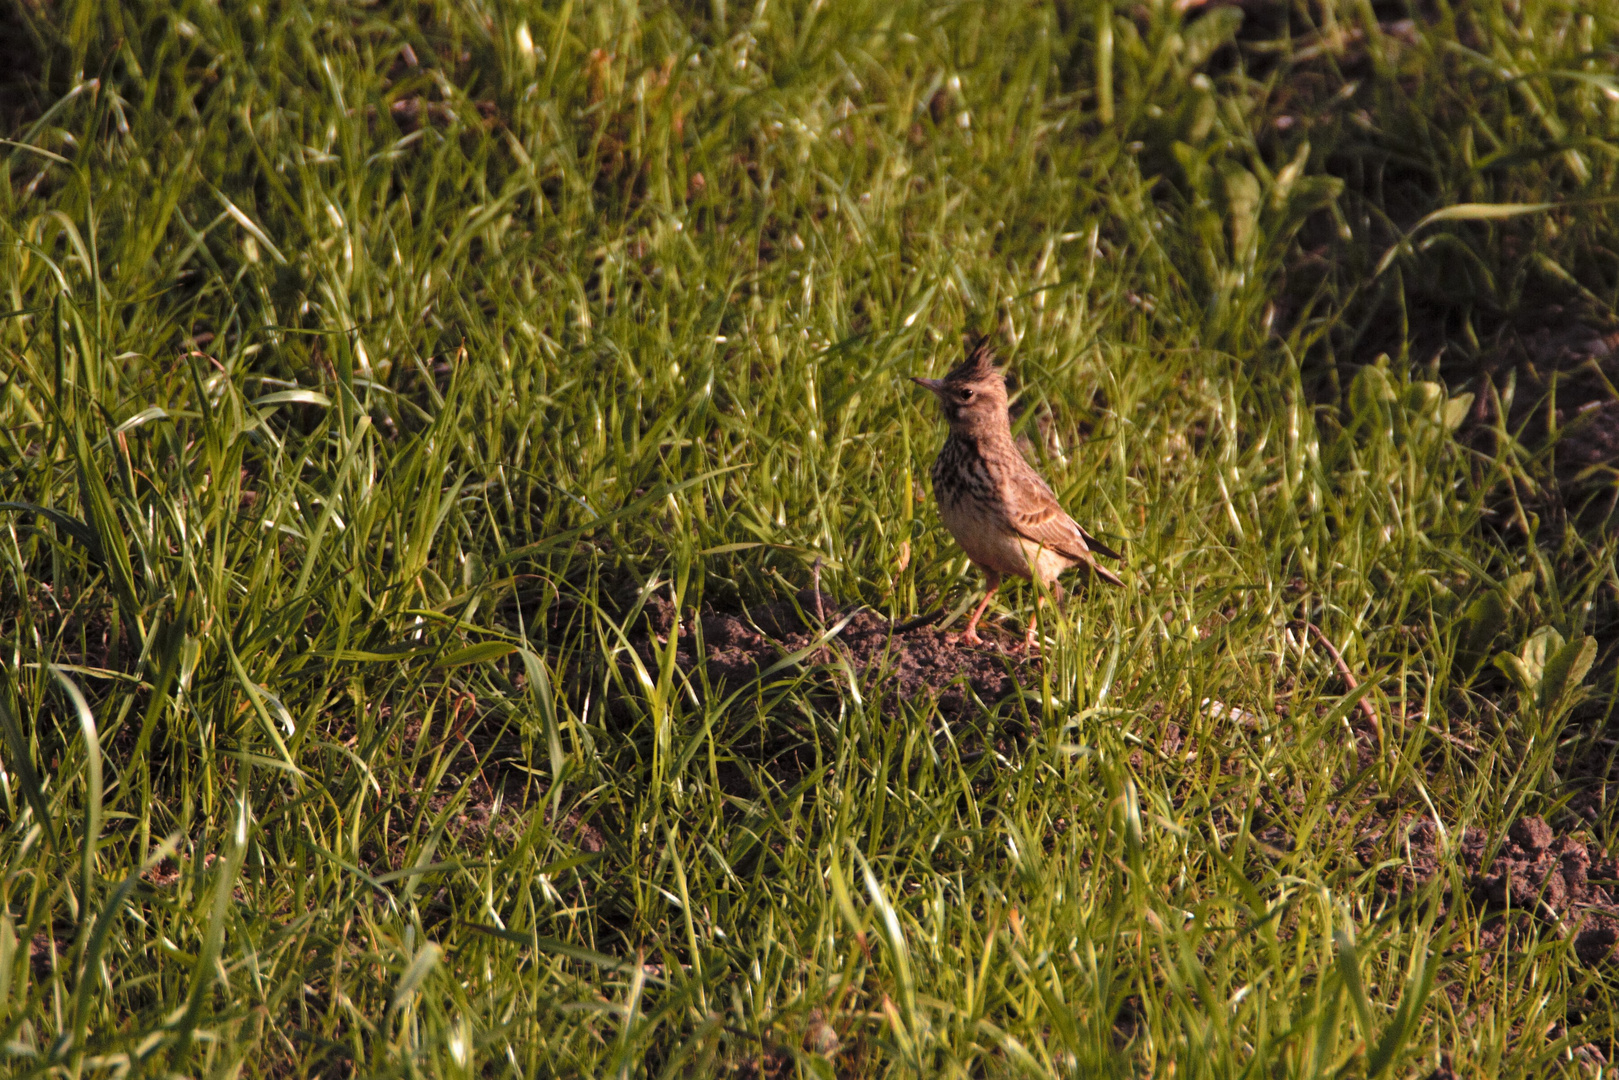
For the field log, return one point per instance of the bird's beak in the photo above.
(936, 385)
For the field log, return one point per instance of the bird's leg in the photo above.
(970, 635)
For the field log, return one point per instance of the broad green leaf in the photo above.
(1204, 36)
(1538, 649)
(1481, 624)
(1515, 669)
(1243, 198)
(1565, 669)
(1456, 410)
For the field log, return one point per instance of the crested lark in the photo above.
(998, 508)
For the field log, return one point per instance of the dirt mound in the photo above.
(904, 661)
(1534, 874)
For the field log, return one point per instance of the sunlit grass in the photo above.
(368, 371)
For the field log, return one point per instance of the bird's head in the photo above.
(973, 394)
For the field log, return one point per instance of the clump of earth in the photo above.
(907, 661)
(1535, 875)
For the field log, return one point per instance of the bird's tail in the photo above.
(1103, 572)
(1096, 545)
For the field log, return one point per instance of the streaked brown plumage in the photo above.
(1004, 516)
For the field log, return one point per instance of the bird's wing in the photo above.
(1036, 516)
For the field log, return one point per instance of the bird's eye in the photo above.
(966, 393)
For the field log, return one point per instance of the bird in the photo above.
(1002, 513)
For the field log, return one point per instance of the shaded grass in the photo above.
(369, 370)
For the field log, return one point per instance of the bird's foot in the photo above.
(1029, 646)
(966, 637)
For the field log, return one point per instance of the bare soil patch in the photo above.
(903, 661)
(1534, 876)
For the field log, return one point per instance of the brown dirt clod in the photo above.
(906, 660)
(1560, 880)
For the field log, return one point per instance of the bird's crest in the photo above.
(979, 364)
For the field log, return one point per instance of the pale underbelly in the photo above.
(995, 548)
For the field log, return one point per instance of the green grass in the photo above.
(368, 368)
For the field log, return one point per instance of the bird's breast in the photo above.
(971, 507)
(961, 472)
